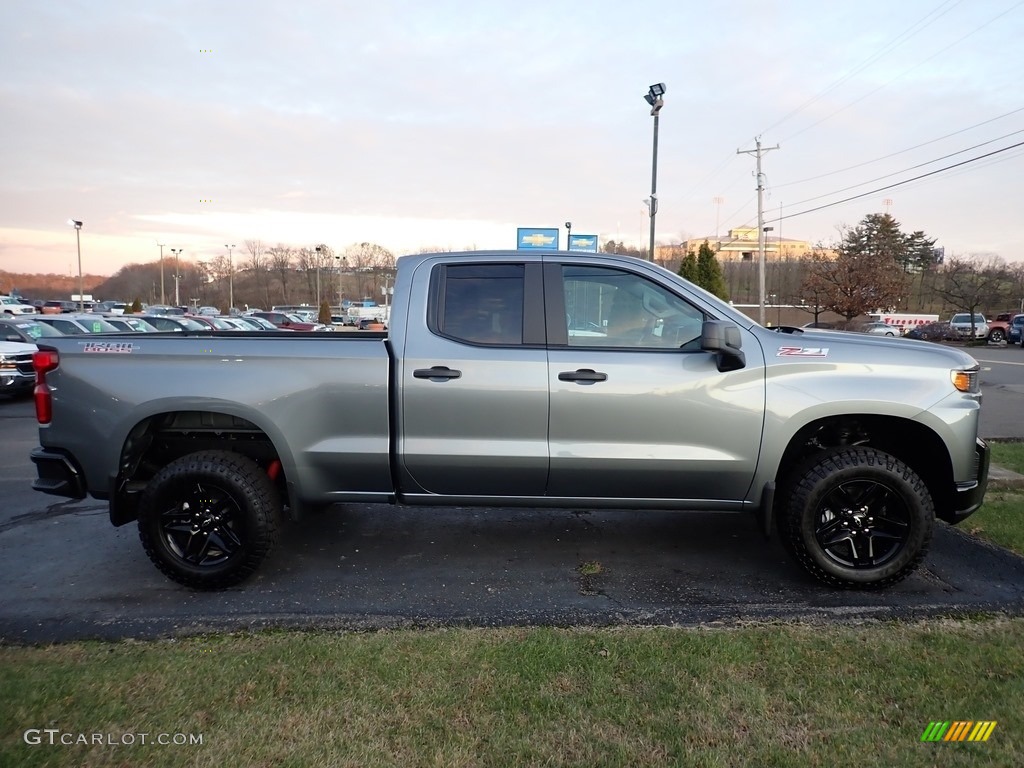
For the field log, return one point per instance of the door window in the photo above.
(482, 304)
(614, 308)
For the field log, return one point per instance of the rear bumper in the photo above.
(971, 494)
(57, 473)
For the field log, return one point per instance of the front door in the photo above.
(637, 409)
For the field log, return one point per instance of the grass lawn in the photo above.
(761, 695)
(769, 695)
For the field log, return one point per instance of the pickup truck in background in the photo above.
(531, 379)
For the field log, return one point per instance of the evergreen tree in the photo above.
(688, 268)
(709, 273)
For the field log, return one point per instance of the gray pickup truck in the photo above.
(519, 379)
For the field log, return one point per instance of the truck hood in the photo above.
(865, 348)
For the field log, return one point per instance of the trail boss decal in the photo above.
(802, 352)
(116, 347)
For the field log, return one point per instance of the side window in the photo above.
(481, 303)
(613, 308)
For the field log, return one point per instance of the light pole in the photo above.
(78, 241)
(177, 276)
(231, 280)
(568, 234)
(162, 299)
(319, 251)
(653, 98)
(342, 264)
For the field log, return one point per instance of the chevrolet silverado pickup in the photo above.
(530, 379)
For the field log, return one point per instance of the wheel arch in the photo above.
(161, 437)
(913, 443)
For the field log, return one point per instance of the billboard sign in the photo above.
(537, 239)
(584, 243)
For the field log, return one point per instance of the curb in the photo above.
(1002, 479)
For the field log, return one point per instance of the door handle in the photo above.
(437, 373)
(583, 376)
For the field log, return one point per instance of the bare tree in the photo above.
(281, 260)
(971, 281)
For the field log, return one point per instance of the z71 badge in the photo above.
(802, 352)
(115, 347)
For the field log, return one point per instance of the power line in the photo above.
(904, 151)
(901, 183)
(905, 170)
(906, 72)
(893, 44)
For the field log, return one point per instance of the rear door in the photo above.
(637, 409)
(473, 387)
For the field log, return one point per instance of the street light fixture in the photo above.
(654, 98)
(342, 265)
(78, 241)
(231, 279)
(177, 276)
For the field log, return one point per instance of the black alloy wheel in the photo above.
(208, 520)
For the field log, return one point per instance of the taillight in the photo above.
(44, 361)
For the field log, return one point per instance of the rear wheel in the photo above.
(857, 518)
(208, 520)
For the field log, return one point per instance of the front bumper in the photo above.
(970, 494)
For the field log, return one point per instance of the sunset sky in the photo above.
(450, 124)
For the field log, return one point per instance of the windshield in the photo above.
(37, 330)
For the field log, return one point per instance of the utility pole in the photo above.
(760, 218)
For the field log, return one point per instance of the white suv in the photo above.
(12, 306)
(960, 325)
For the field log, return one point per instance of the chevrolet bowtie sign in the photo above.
(532, 238)
(585, 243)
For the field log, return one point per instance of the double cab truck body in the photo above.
(519, 379)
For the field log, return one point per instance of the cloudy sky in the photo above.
(450, 123)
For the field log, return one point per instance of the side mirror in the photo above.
(723, 338)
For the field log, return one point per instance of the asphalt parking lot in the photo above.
(68, 574)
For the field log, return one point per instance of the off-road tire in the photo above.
(856, 518)
(208, 520)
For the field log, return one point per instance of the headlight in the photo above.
(966, 380)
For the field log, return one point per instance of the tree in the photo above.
(709, 274)
(866, 273)
(919, 254)
(969, 282)
(688, 268)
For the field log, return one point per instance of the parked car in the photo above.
(131, 324)
(11, 305)
(1015, 331)
(999, 327)
(57, 306)
(821, 326)
(288, 320)
(25, 329)
(930, 332)
(71, 324)
(960, 325)
(17, 377)
(879, 329)
(213, 323)
(163, 309)
(178, 323)
(257, 323)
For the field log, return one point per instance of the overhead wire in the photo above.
(901, 183)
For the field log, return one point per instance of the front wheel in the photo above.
(207, 520)
(996, 335)
(857, 518)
